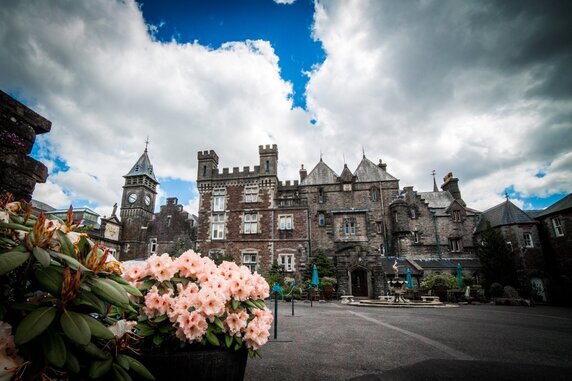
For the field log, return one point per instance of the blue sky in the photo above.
(481, 89)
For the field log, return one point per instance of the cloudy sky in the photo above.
(479, 88)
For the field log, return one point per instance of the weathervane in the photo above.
(146, 143)
(435, 189)
(506, 195)
(363, 151)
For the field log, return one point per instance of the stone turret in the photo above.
(268, 159)
(303, 173)
(451, 184)
(207, 164)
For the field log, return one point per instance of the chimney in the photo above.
(451, 185)
(303, 173)
(382, 165)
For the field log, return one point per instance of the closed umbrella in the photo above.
(408, 278)
(315, 279)
(460, 283)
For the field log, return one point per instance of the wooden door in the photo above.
(359, 282)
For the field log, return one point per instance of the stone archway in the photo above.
(359, 282)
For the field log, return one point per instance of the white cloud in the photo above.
(52, 194)
(284, 1)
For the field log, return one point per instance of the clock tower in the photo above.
(137, 208)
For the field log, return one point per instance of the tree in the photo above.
(497, 259)
(323, 263)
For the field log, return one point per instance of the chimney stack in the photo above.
(303, 173)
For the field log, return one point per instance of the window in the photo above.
(413, 213)
(527, 238)
(415, 237)
(267, 166)
(285, 222)
(250, 223)
(558, 231)
(349, 226)
(456, 245)
(204, 170)
(395, 217)
(218, 200)
(153, 245)
(378, 227)
(216, 254)
(251, 194)
(218, 226)
(169, 220)
(286, 261)
(456, 215)
(112, 252)
(321, 196)
(249, 260)
(347, 187)
(321, 219)
(373, 194)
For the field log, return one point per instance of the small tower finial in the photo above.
(506, 195)
(321, 154)
(435, 189)
(146, 143)
(363, 151)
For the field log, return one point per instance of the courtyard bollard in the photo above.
(276, 291)
(292, 306)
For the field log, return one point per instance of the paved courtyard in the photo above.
(331, 341)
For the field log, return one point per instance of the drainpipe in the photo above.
(383, 225)
(439, 254)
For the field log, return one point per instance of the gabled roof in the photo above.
(321, 174)
(346, 176)
(505, 213)
(559, 206)
(143, 166)
(369, 171)
(437, 200)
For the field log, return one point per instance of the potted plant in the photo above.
(199, 319)
(328, 286)
(60, 298)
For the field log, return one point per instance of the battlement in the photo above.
(205, 155)
(236, 172)
(288, 183)
(268, 149)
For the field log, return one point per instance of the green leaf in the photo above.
(140, 369)
(14, 226)
(158, 339)
(94, 351)
(159, 319)
(97, 328)
(72, 262)
(72, 363)
(54, 348)
(228, 340)
(119, 374)
(99, 368)
(109, 291)
(50, 279)
(91, 300)
(211, 337)
(219, 323)
(168, 284)
(146, 284)
(130, 289)
(144, 330)
(24, 307)
(34, 324)
(67, 246)
(42, 256)
(75, 327)
(238, 339)
(235, 304)
(119, 279)
(123, 361)
(12, 259)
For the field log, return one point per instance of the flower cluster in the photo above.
(203, 302)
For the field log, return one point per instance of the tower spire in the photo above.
(435, 189)
(146, 143)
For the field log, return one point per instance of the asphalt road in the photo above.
(331, 341)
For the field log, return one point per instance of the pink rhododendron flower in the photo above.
(134, 272)
(161, 267)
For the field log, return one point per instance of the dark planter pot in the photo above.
(199, 365)
(441, 292)
(328, 291)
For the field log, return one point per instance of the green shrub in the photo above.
(496, 290)
(435, 280)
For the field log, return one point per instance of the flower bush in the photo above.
(60, 298)
(190, 302)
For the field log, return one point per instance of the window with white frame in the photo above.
(527, 238)
(250, 259)
(112, 252)
(285, 222)
(413, 213)
(218, 199)
(378, 227)
(218, 226)
(153, 245)
(286, 261)
(456, 244)
(321, 219)
(321, 196)
(557, 225)
(374, 192)
(415, 237)
(250, 223)
(251, 194)
(456, 215)
(216, 254)
(349, 226)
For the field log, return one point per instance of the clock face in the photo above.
(132, 198)
(147, 200)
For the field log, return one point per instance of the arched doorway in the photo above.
(359, 282)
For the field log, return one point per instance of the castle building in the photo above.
(361, 220)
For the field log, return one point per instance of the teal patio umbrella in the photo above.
(315, 279)
(460, 283)
(408, 278)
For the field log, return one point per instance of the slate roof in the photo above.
(346, 176)
(559, 206)
(437, 200)
(503, 214)
(143, 166)
(466, 263)
(321, 174)
(402, 265)
(368, 171)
